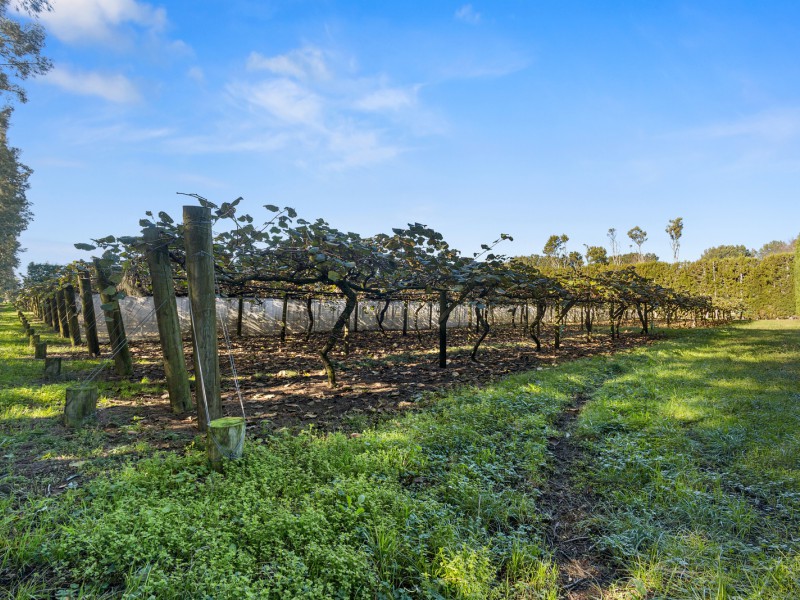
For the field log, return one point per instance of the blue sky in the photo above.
(481, 118)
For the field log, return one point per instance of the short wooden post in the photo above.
(33, 340)
(225, 439)
(40, 350)
(123, 364)
(52, 367)
(89, 318)
(80, 405)
(72, 315)
(169, 327)
(198, 242)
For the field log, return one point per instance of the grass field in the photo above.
(687, 453)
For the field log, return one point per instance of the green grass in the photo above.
(694, 453)
(691, 447)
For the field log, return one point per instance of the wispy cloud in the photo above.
(390, 99)
(467, 14)
(776, 125)
(114, 88)
(303, 63)
(97, 20)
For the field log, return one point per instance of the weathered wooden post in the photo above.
(225, 440)
(40, 350)
(169, 327)
(443, 316)
(52, 367)
(34, 339)
(284, 315)
(63, 321)
(72, 315)
(405, 317)
(123, 364)
(89, 318)
(80, 405)
(239, 315)
(198, 242)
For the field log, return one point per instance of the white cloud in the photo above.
(283, 99)
(114, 88)
(390, 99)
(467, 14)
(303, 63)
(97, 20)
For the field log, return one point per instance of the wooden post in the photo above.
(405, 317)
(63, 319)
(52, 367)
(72, 315)
(40, 350)
(169, 327)
(355, 317)
(239, 315)
(80, 405)
(225, 440)
(443, 316)
(34, 339)
(89, 317)
(284, 315)
(123, 364)
(198, 242)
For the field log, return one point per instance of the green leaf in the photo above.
(115, 278)
(271, 207)
(165, 218)
(109, 306)
(85, 247)
(145, 223)
(334, 276)
(110, 290)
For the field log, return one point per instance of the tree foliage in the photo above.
(21, 56)
(726, 251)
(675, 231)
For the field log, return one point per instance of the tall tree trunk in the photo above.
(351, 300)
(310, 313)
(239, 316)
(382, 315)
(483, 323)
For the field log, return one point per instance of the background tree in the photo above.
(726, 251)
(776, 247)
(612, 238)
(675, 231)
(555, 249)
(596, 255)
(638, 236)
(20, 57)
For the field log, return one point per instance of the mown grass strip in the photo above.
(694, 454)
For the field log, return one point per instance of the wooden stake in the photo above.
(40, 350)
(123, 364)
(80, 405)
(52, 367)
(169, 327)
(89, 317)
(72, 315)
(225, 440)
(198, 242)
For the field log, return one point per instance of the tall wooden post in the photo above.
(284, 315)
(198, 241)
(72, 315)
(46, 311)
(443, 316)
(239, 315)
(54, 312)
(63, 321)
(169, 327)
(89, 318)
(123, 364)
(405, 317)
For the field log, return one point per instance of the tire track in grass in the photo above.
(584, 572)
